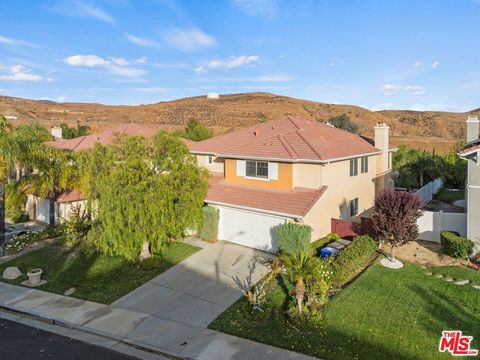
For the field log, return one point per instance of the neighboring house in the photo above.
(292, 170)
(471, 152)
(70, 200)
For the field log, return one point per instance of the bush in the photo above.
(320, 243)
(293, 238)
(455, 245)
(349, 261)
(151, 263)
(15, 200)
(209, 229)
(18, 243)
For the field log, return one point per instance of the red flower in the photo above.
(293, 293)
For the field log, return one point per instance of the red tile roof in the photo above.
(287, 138)
(295, 203)
(104, 138)
(69, 196)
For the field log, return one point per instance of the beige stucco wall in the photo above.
(217, 166)
(307, 175)
(341, 188)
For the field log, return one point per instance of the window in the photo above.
(353, 167)
(354, 207)
(364, 164)
(210, 159)
(258, 169)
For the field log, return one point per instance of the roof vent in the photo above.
(328, 123)
(256, 132)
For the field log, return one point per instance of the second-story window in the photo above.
(210, 159)
(364, 164)
(258, 169)
(354, 207)
(353, 167)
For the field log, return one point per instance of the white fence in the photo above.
(432, 222)
(427, 191)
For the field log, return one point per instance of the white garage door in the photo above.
(43, 207)
(248, 228)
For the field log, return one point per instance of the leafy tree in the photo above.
(5, 157)
(144, 194)
(195, 131)
(343, 122)
(301, 266)
(70, 133)
(15, 200)
(395, 218)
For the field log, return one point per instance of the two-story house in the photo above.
(471, 152)
(292, 170)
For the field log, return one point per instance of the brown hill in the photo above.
(439, 130)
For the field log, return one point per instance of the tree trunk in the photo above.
(51, 212)
(421, 179)
(300, 290)
(18, 172)
(145, 253)
(2, 217)
(392, 253)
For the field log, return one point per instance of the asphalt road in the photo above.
(18, 341)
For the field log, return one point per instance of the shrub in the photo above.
(455, 245)
(18, 243)
(209, 229)
(349, 261)
(15, 200)
(151, 263)
(320, 243)
(293, 238)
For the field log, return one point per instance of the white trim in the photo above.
(256, 178)
(272, 170)
(296, 217)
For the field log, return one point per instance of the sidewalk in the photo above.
(136, 328)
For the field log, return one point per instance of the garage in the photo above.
(249, 228)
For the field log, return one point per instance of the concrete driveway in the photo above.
(201, 287)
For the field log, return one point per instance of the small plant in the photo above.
(456, 246)
(293, 238)
(20, 242)
(209, 228)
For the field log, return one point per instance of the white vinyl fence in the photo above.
(427, 191)
(431, 223)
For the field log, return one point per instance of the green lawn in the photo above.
(97, 277)
(383, 314)
(450, 196)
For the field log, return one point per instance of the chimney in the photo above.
(56, 132)
(472, 128)
(382, 143)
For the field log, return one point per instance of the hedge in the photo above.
(322, 242)
(455, 245)
(209, 229)
(350, 260)
(293, 238)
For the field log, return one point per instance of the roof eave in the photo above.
(265, 211)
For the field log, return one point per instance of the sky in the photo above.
(418, 55)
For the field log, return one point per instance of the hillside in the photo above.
(439, 130)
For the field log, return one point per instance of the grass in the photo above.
(97, 277)
(390, 314)
(449, 197)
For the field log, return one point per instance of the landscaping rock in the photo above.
(69, 291)
(424, 267)
(11, 273)
(449, 279)
(27, 283)
(428, 273)
(476, 287)
(439, 276)
(395, 264)
(462, 282)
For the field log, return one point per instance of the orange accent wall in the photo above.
(284, 176)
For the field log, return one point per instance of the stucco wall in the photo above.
(284, 176)
(217, 165)
(307, 175)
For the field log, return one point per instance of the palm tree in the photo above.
(301, 266)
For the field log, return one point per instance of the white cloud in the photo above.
(263, 8)
(417, 64)
(142, 60)
(21, 73)
(391, 89)
(188, 39)
(120, 61)
(435, 64)
(86, 60)
(200, 70)
(78, 8)
(140, 41)
(117, 66)
(61, 99)
(6, 40)
(282, 56)
(416, 107)
(335, 61)
(233, 62)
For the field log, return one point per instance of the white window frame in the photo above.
(364, 165)
(210, 159)
(354, 167)
(353, 205)
(255, 176)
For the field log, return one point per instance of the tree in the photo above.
(395, 218)
(70, 133)
(5, 154)
(301, 266)
(343, 122)
(145, 194)
(195, 131)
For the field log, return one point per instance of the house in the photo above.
(292, 170)
(471, 152)
(69, 201)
